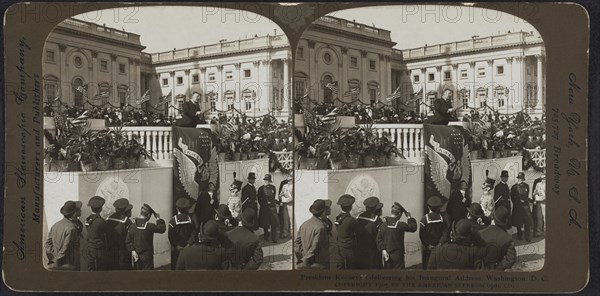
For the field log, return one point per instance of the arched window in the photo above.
(373, 91)
(123, 91)
(104, 91)
(327, 92)
(481, 96)
(51, 90)
(464, 95)
(300, 85)
(229, 99)
(500, 93)
(77, 87)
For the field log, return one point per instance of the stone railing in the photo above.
(156, 139)
(408, 138)
(538, 156)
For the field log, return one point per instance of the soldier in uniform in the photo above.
(502, 193)
(368, 225)
(117, 227)
(500, 253)
(521, 214)
(140, 238)
(207, 253)
(243, 246)
(433, 229)
(390, 238)
(181, 229)
(267, 216)
(62, 245)
(249, 194)
(311, 245)
(346, 227)
(96, 239)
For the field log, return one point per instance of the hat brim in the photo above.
(474, 214)
(78, 206)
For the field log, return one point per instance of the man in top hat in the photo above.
(140, 238)
(433, 229)
(181, 229)
(539, 205)
(346, 227)
(62, 245)
(390, 238)
(224, 219)
(286, 201)
(117, 224)
(502, 193)
(207, 253)
(459, 253)
(477, 218)
(267, 216)
(96, 236)
(368, 225)
(206, 204)
(521, 214)
(311, 245)
(458, 203)
(243, 246)
(249, 194)
(500, 253)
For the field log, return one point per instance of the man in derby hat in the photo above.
(243, 246)
(390, 238)
(267, 217)
(62, 245)
(502, 193)
(181, 229)
(459, 253)
(500, 253)
(368, 225)
(346, 227)
(539, 204)
(207, 253)
(117, 224)
(477, 217)
(140, 238)
(433, 229)
(96, 246)
(249, 194)
(458, 202)
(286, 201)
(225, 219)
(311, 245)
(521, 213)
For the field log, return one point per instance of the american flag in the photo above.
(82, 119)
(394, 95)
(331, 117)
(332, 86)
(83, 91)
(102, 96)
(144, 98)
(352, 92)
(164, 99)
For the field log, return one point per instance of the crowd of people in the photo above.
(203, 234)
(116, 116)
(456, 233)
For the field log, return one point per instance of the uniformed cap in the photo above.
(504, 174)
(237, 184)
(346, 200)
(521, 176)
(122, 205)
(268, 178)
(319, 206)
(372, 202)
(182, 203)
(96, 202)
(70, 207)
(147, 209)
(398, 207)
(434, 202)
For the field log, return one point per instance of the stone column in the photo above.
(539, 84)
(287, 86)
(113, 79)
(509, 96)
(381, 68)
(312, 69)
(492, 100)
(364, 93)
(138, 78)
(520, 82)
(220, 86)
(388, 72)
(439, 74)
(456, 100)
(473, 97)
(343, 71)
(202, 82)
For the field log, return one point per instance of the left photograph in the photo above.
(168, 142)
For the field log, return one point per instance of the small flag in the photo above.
(102, 96)
(394, 95)
(331, 117)
(83, 91)
(144, 98)
(352, 92)
(82, 119)
(332, 86)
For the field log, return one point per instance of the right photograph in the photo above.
(420, 140)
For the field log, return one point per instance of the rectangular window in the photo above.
(481, 72)
(104, 65)
(179, 106)
(248, 106)
(121, 68)
(415, 78)
(50, 56)
(299, 88)
(211, 77)
(229, 75)
(372, 65)
(247, 73)
(213, 104)
(229, 98)
(165, 82)
(195, 78)
(373, 95)
(50, 91)
(179, 80)
(500, 70)
(464, 74)
(300, 53)
(447, 75)
(122, 97)
(354, 62)
(431, 77)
